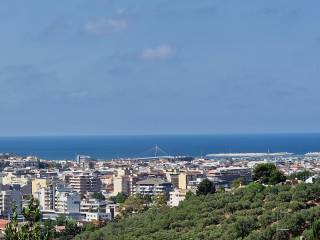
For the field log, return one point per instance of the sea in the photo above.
(113, 147)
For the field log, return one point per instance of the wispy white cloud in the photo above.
(158, 53)
(105, 26)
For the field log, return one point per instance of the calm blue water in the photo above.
(108, 147)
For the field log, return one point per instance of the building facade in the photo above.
(153, 186)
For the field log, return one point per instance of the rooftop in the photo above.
(151, 181)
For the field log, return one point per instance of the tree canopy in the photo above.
(238, 182)
(32, 229)
(98, 196)
(303, 175)
(267, 173)
(206, 187)
(254, 212)
(119, 198)
(159, 200)
(133, 204)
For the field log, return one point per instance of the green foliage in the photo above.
(267, 173)
(50, 227)
(307, 234)
(61, 220)
(119, 198)
(255, 187)
(189, 194)
(133, 204)
(159, 200)
(98, 196)
(90, 227)
(316, 230)
(254, 212)
(72, 228)
(240, 181)
(146, 199)
(303, 175)
(12, 231)
(244, 225)
(32, 229)
(206, 187)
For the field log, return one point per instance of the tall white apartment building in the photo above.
(120, 185)
(46, 197)
(84, 183)
(67, 201)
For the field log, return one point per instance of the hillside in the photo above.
(252, 213)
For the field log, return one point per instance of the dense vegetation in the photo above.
(253, 212)
(35, 229)
(32, 229)
(98, 196)
(119, 198)
(303, 175)
(267, 173)
(206, 187)
(266, 209)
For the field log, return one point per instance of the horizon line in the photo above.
(159, 134)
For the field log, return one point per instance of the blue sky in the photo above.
(161, 66)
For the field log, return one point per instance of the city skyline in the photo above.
(104, 67)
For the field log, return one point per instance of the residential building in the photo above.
(46, 197)
(190, 179)
(94, 209)
(153, 186)
(40, 183)
(7, 199)
(11, 178)
(120, 185)
(173, 177)
(67, 201)
(177, 196)
(97, 216)
(226, 175)
(86, 162)
(84, 183)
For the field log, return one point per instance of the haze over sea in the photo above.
(109, 147)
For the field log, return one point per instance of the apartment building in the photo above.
(67, 201)
(120, 185)
(46, 197)
(84, 183)
(85, 162)
(11, 178)
(7, 199)
(40, 183)
(173, 177)
(190, 179)
(226, 175)
(93, 209)
(153, 186)
(177, 196)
